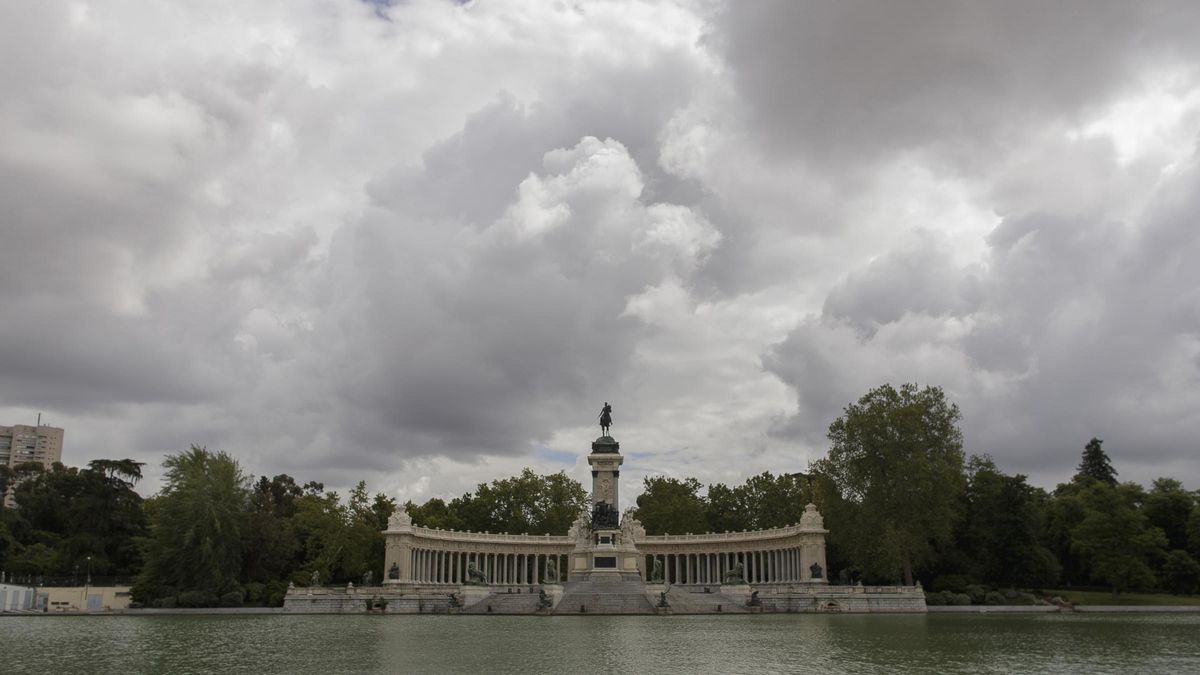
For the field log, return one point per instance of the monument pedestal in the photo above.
(741, 592)
(605, 557)
(472, 595)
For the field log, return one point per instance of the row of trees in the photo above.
(213, 535)
(898, 493)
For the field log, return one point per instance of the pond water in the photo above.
(629, 644)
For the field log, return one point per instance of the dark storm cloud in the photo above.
(424, 247)
(840, 82)
(485, 338)
(1074, 328)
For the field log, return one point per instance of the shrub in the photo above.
(168, 602)
(934, 599)
(275, 593)
(977, 592)
(198, 599)
(231, 599)
(951, 582)
(1023, 599)
(959, 599)
(994, 598)
(256, 592)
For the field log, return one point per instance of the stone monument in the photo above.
(603, 548)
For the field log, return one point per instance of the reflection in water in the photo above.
(706, 644)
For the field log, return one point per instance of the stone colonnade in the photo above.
(770, 566)
(422, 555)
(449, 566)
(419, 555)
(777, 556)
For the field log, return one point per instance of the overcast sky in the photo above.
(422, 244)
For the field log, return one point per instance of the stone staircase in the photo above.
(505, 603)
(604, 597)
(695, 601)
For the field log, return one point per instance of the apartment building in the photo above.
(22, 443)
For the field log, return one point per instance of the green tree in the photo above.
(763, 501)
(896, 462)
(726, 509)
(341, 541)
(1001, 527)
(195, 539)
(1193, 532)
(1181, 573)
(671, 506)
(437, 514)
(1095, 463)
(524, 504)
(1168, 507)
(77, 514)
(1115, 544)
(270, 546)
(320, 524)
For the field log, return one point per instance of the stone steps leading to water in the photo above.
(691, 602)
(505, 603)
(604, 597)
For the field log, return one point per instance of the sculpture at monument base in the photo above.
(551, 576)
(736, 575)
(474, 576)
(656, 573)
(604, 516)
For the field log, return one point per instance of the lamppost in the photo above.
(89, 574)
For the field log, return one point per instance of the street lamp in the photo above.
(89, 575)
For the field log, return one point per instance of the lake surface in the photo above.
(485, 645)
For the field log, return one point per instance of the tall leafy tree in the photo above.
(1193, 533)
(726, 509)
(437, 514)
(1181, 573)
(1115, 543)
(1000, 532)
(75, 514)
(671, 506)
(525, 503)
(195, 539)
(270, 546)
(896, 461)
(1168, 507)
(1095, 463)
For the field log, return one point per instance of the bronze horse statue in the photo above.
(605, 418)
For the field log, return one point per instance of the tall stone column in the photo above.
(606, 461)
(812, 533)
(398, 546)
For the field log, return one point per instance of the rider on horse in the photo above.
(605, 418)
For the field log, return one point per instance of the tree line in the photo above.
(902, 501)
(215, 536)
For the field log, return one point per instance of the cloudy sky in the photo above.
(421, 243)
